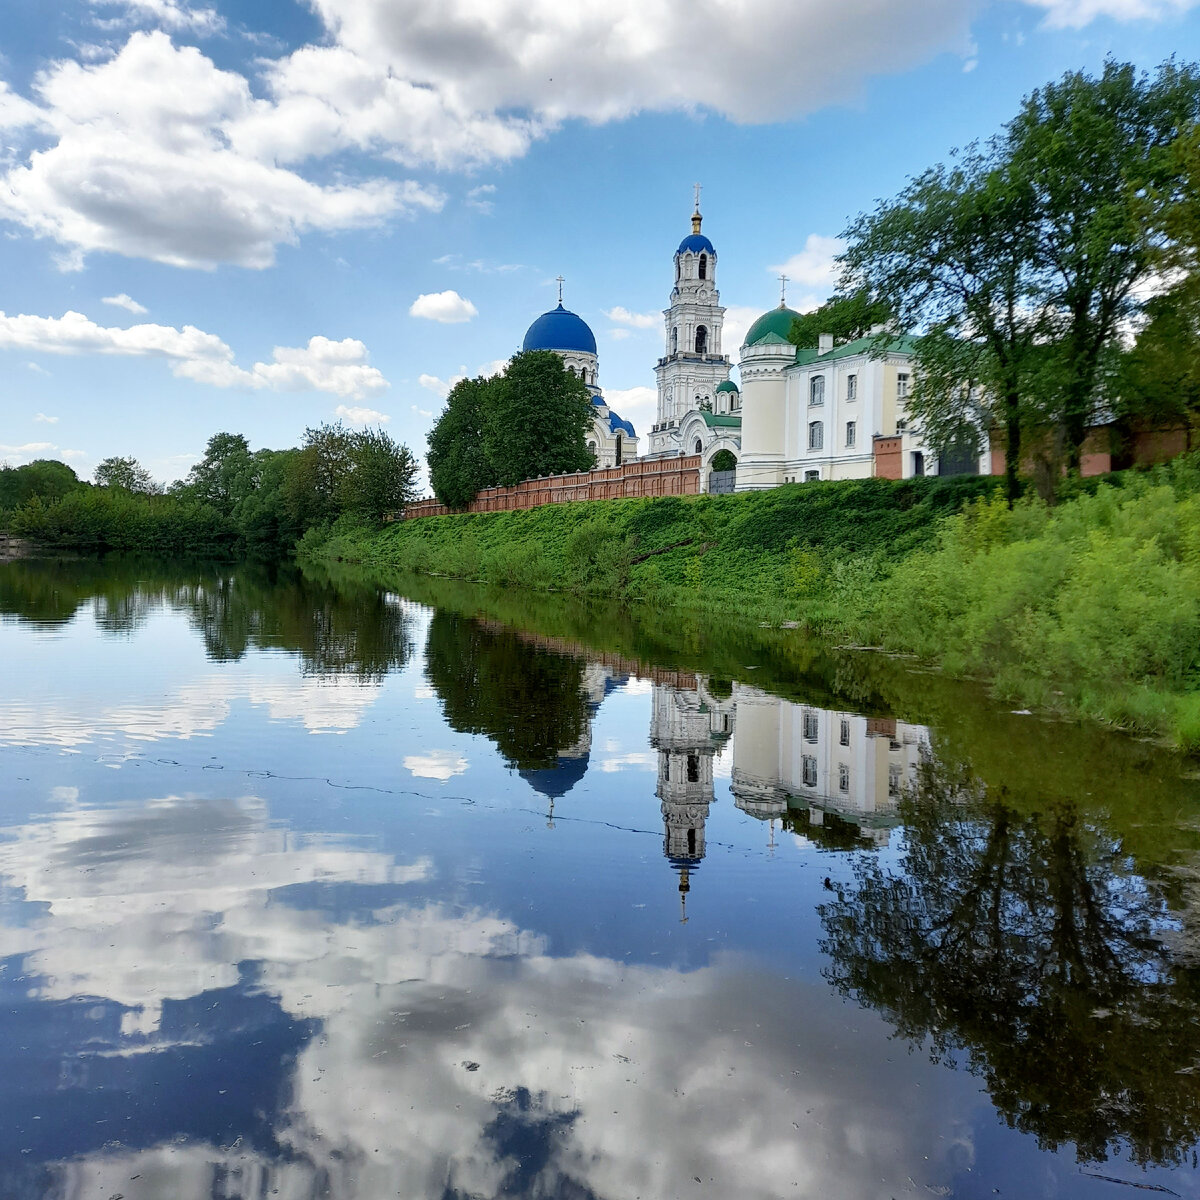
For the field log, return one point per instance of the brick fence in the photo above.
(642, 477)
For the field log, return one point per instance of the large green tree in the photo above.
(845, 317)
(126, 474)
(382, 477)
(536, 419)
(44, 477)
(458, 466)
(1099, 156)
(226, 475)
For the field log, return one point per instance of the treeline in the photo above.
(1052, 273)
(531, 420)
(235, 501)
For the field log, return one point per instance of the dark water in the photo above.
(312, 888)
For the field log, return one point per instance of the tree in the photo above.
(127, 474)
(1099, 159)
(949, 256)
(226, 475)
(458, 466)
(382, 477)
(845, 316)
(723, 460)
(316, 475)
(44, 477)
(535, 420)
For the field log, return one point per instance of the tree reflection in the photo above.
(529, 701)
(1025, 939)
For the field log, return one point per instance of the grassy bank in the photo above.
(1090, 608)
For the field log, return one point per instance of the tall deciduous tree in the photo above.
(846, 317)
(226, 474)
(127, 474)
(536, 419)
(458, 466)
(1098, 155)
(382, 476)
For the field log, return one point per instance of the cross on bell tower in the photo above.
(560, 281)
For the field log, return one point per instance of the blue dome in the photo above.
(560, 329)
(617, 425)
(695, 242)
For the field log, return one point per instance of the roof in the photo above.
(863, 345)
(695, 242)
(778, 322)
(617, 425)
(727, 386)
(560, 329)
(721, 421)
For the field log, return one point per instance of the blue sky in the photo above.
(258, 215)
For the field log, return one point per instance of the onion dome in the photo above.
(775, 324)
(695, 242)
(560, 329)
(728, 386)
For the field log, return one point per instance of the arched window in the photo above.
(817, 390)
(704, 266)
(699, 446)
(675, 340)
(816, 435)
(701, 339)
(592, 450)
(617, 461)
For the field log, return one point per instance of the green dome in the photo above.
(727, 386)
(778, 321)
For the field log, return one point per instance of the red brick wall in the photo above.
(642, 477)
(889, 462)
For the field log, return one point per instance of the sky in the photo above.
(257, 216)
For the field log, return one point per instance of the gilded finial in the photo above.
(696, 217)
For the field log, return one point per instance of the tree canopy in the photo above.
(845, 316)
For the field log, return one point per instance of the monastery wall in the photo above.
(642, 477)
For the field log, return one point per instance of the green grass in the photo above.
(1090, 608)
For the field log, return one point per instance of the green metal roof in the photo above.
(902, 345)
(727, 386)
(721, 421)
(778, 322)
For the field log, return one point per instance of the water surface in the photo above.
(313, 886)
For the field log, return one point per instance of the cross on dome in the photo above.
(560, 281)
(783, 282)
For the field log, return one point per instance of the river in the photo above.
(317, 885)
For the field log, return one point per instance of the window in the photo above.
(851, 429)
(592, 449)
(735, 401)
(808, 770)
(902, 385)
(851, 387)
(617, 459)
(843, 777)
(699, 446)
(893, 781)
(918, 463)
(816, 436)
(901, 425)
(693, 768)
(844, 735)
(811, 476)
(816, 390)
(675, 341)
(704, 266)
(701, 339)
(810, 726)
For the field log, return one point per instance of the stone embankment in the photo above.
(12, 548)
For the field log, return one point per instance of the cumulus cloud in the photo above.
(169, 14)
(42, 417)
(323, 365)
(636, 404)
(478, 198)
(127, 302)
(738, 319)
(448, 307)
(357, 415)
(636, 320)
(436, 764)
(145, 163)
(812, 272)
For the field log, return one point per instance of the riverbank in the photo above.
(1089, 609)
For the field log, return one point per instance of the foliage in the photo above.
(127, 474)
(458, 467)
(381, 480)
(844, 316)
(723, 460)
(46, 478)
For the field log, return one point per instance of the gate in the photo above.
(721, 481)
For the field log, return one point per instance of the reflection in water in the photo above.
(1026, 938)
(205, 992)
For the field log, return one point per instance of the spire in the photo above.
(560, 281)
(696, 217)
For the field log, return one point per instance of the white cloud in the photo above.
(45, 419)
(448, 307)
(170, 14)
(1075, 14)
(636, 320)
(37, 368)
(436, 764)
(738, 319)
(421, 412)
(127, 302)
(812, 273)
(71, 455)
(323, 365)
(146, 164)
(636, 404)
(439, 387)
(27, 448)
(477, 198)
(360, 416)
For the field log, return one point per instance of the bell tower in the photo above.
(694, 363)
